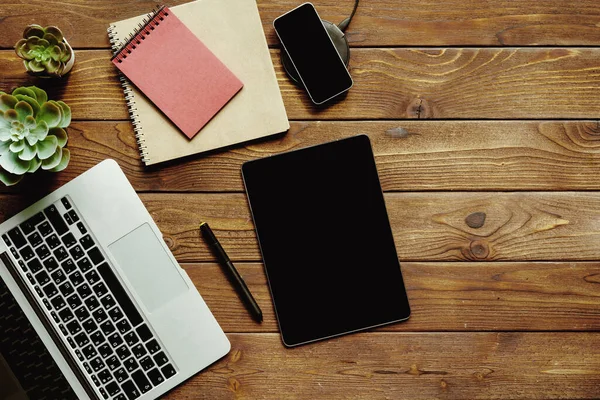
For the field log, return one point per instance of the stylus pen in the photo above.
(234, 276)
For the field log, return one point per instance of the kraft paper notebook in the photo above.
(232, 30)
(169, 64)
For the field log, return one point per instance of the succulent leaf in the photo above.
(7, 102)
(66, 157)
(38, 133)
(4, 146)
(24, 110)
(9, 179)
(28, 153)
(40, 95)
(51, 113)
(11, 115)
(66, 114)
(34, 66)
(47, 147)
(61, 135)
(50, 38)
(34, 165)
(17, 147)
(33, 30)
(31, 100)
(13, 164)
(53, 30)
(53, 160)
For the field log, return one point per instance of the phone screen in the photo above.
(313, 54)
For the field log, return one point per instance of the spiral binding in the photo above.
(120, 52)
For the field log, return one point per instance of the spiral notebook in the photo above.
(232, 31)
(175, 70)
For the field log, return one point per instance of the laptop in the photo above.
(94, 305)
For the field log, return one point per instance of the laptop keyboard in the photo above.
(87, 304)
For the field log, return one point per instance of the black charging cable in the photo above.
(344, 24)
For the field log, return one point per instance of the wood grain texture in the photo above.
(427, 226)
(405, 366)
(410, 155)
(443, 296)
(388, 84)
(377, 22)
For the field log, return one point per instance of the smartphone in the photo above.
(312, 53)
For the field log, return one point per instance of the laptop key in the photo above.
(47, 304)
(84, 291)
(130, 390)
(34, 239)
(42, 277)
(115, 340)
(14, 253)
(58, 302)
(74, 301)
(153, 346)
(113, 363)
(168, 371)
(84, 264)
(68, 218)
(30, 277)
(100, 289)
(104, 394)
(144, 332)
(115, 314)
(76, 252)
(76, 278)
(104, 376)
(66, 315)
(89, 351)
(147, 363)
(66, 289)
(63, 329)
(27, 253)
(52, 242)
(99, 315)
(107, 327)
(120, 374)
(141, 381)
(6, 240)
(45, 229)
(82, 314)
(74, 327)
(130, 338)
(92, 303)
(89, 325)
(155, 377)
(138, 350)
(42, 252)
(82, 339)
(17, 237)
(34, 265)
(60, 254)
(81, 228)
(87, 242)
(97, 364)
(97, 338)
(105, 350)
(160, 359)
(65, 202)
(50, 290)
(95, 256)
(68, 266)
(112, 388)
(92, 277)
(89, 371)
(71, 342)
(123, 326)
(130, 364)
(29, 225)
(58, 276)
(50, 264)
(123, 352)
(68, 240)
(56, 220)
(108, 301)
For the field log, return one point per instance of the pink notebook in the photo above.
(176, 71)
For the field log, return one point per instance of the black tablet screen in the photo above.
(326, 240)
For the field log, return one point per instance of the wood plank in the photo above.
(388, 84)
(540, 226)
(410, 155)
(377, 22)
(470, 296)
(405, 366)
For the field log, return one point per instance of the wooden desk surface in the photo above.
(475, 110)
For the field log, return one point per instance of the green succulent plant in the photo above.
(32, 133)
(45, 51)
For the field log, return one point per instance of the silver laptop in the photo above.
(94, 305)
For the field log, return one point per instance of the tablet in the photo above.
(326, 240)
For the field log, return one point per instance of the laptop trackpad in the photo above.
(148, 268)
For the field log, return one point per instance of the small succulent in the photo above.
(32, 133)
(45, 51)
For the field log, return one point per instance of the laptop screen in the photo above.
(27, 370)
